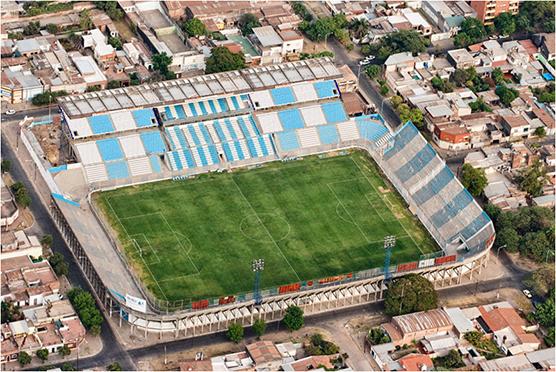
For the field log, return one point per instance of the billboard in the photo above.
(136, 303)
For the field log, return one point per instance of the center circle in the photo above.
(265, 227)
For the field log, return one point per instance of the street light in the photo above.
(389, 243)
(258, 267)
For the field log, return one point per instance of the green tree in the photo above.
(474, 179)
(194, 27)
(85, 22)
(247, 22)
(42, 354)
(508, 237)
(52, 28)
(549, 338)
(451, 361)
(396, 101)
(293, 319)
(505, 24)
(498, 76)
(259, 327)
(384, 89)
(6, 165)
(462, 40)
(358, 28)
(86, 308)
(113, 84)
(540, 14)
(535, 245)
(373, 71)
(377, 336)
(32, 28)
(134, 79)
(114, 366)
(416, 117)
(545, 313)
(22, 198)
(540, 132)
(221, 59)
(479, 105)
(10, 312)
(320, 29)
(59, 264)
(541, 281)
(116, 42)
(506, 95)
(319, 346)
(23, 358)
(532, 179)
(64, 351)
(67, 367)
(161, 63)
(408, 294)
(474, 29)
(301, 10)
(235, 332)
(111, 9)
(46, 240)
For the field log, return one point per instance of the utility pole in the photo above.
(258, 267)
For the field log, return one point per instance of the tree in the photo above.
(462, 40)
(417, 117)
(247, 22)
(6, 165)
(320, 29)
(20, 193)
(505, 24)
(535, 245)
(373, 71)
(59, 264)
(293, 319)
(134, 79)
(23, 358)
(358, 28)
(443, 85)
(549, 338)
(319, 346)
(86, 308)
(474, 29)
(498, 76)
(532, 179)
(259, 327)
(474, 179)
(161, 61)
(114, 366)
(116, 42)
(545, 313)
(377, 336)
(221, 59)
(300, 9)
(508, 237)
(396, 101)
(67, 367)
(384, 89)
(113, 84)
(10, 312)
(64, 351)
(235, 332)
(540, 132)
(194, 27)
(541, 281)
(52, 28)
(451, 361)
(539, 14)
(46, 240)
(506, 95)
(32, 28)
(85, 22)
(408, 294)
(479, 105)
(42, 354)
(110, 8)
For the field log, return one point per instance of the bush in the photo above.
(64, 351)
(85, 305)
(47, 98)
(6, 165)
(42, 354)
(23, 358)
(59, 264)
(194, 27)
(451, 361)
(408, 294)
(221, 59)
(20, 192)
(235, 332)
(293, 319)
(259, 327)
(319, 346)
(377, 336)
(373, 71)
(46, 240)
(114, 366)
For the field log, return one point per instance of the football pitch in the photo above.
(308, 219)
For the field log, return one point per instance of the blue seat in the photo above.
(228, 151)
(452, 208)
(371, 130)
(202, 155)
(193, 133)
(288, 140)
(168, 113)
(401, 138)
(434, 186)
(223, 104)
(291, 119)
(180, 111)
(263, 146)
(418, 162)
(326, 89)
(193, 109)
(153, 143)
(252, 148)
(219, 131)
(117, 170)
(110, 149)
(155, 164)
(477, 224)
(334, 112)
(177, 160)
(214, 154)
(181, 137)
(205, 133)
(203, 108)
(282, 96)
(328, 134)
(230, 128)
(235, 102)
(239, 151)
(101, 124)
(212, 106)
(254, 125)
(188, 155)
(144, 118)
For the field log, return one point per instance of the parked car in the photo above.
(10, 112)
(527, 293)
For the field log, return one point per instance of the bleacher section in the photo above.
(114, 122)
(294, 94)
(122, 157)
(450, 211)
(200, 108)
(213, 141)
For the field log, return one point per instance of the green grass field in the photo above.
(308, 219)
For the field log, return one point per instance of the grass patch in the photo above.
(308, 219)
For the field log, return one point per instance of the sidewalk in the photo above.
(91, 346)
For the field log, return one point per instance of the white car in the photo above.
(527, 293)
(10, 112)
(364, 62)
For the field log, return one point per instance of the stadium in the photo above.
(178, 186)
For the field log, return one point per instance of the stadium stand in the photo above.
(114, 122)
(288, 141)
(200, 108)
(294, 94)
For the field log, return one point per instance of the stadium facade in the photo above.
(176, 129)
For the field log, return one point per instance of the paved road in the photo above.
(382, 104)
(37, 112)
(112, 350)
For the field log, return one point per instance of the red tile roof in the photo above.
(415, 362)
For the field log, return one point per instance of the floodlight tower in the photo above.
(258, 267)
(389, 243)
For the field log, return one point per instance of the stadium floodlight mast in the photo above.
(389, 243)
(258, 267)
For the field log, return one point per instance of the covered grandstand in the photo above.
(191, 126)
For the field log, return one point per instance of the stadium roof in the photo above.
(175, 91)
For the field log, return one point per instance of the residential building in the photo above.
(292, 43)
(19, 85)
(89, 70)
(448, 15)
(461, 58)
(515, 126)
(403, 329)
(265, 355)
(19, 244)
(9, 209)
(487, 10)
(269, 44)
(548, 47)
(97, 41)
(348, 81)
(416, 362)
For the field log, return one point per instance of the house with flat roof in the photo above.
(18, 243)
(19, 85)
(269, 43)
(9, 209)
(461, 58)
